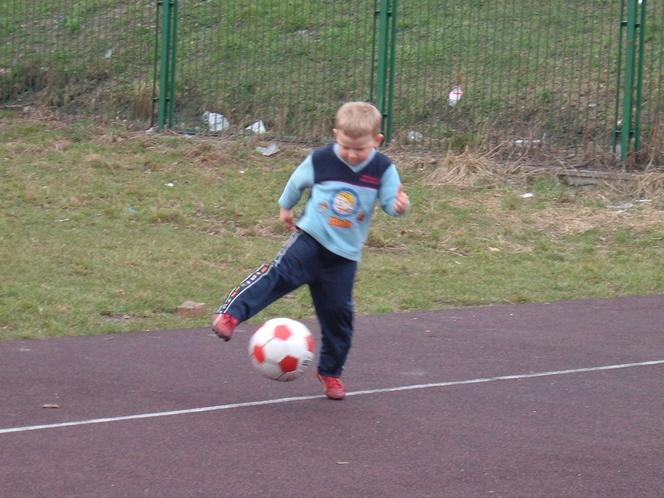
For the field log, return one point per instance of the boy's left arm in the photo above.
(402, 204)
(393, 197)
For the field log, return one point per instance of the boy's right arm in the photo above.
(301, 179)
(286, 217)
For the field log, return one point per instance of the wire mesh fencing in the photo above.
(92, 56)
(286, 64)
(652, 80)
(509, 69)
(473, 73)
(520, 72)
(476, 73)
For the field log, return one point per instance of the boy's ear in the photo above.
(379, 138)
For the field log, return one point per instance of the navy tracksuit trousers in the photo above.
(330, 279)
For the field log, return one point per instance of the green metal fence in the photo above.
(93, 56)
(569, 75)
(565, 74)
(530, 71)
(288, 64)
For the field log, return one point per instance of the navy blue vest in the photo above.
(328, 167)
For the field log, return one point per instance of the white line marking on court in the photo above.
(306, 398)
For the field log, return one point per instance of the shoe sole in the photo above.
(226, 338)
(220, 336)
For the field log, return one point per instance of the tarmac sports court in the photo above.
(563, 399)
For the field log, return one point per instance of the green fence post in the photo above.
(632, 90)
(163, 62)
(172, 58)
(382, 55)
(629, 80)
(155, 60)
(386, 62)
(167, 63)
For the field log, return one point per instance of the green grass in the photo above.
(104, 230)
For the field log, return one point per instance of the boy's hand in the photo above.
(402, 203)
(286, 217)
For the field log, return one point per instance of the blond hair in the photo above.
(357, 119)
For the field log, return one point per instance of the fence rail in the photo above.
(461, 72)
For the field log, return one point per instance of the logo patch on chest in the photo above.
(345, 203)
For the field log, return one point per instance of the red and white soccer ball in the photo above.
(281, 349)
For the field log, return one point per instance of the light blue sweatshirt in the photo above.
(341, 203)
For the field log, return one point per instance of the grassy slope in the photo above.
(102, 230)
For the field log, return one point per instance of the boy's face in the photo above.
(356, 150)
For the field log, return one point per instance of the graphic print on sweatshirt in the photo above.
(346, 188)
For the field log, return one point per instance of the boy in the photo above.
(347, 178)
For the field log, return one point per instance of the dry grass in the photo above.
(469, 169)
(574, 221)
(649, 185)
(466, 170)
(632, 202)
